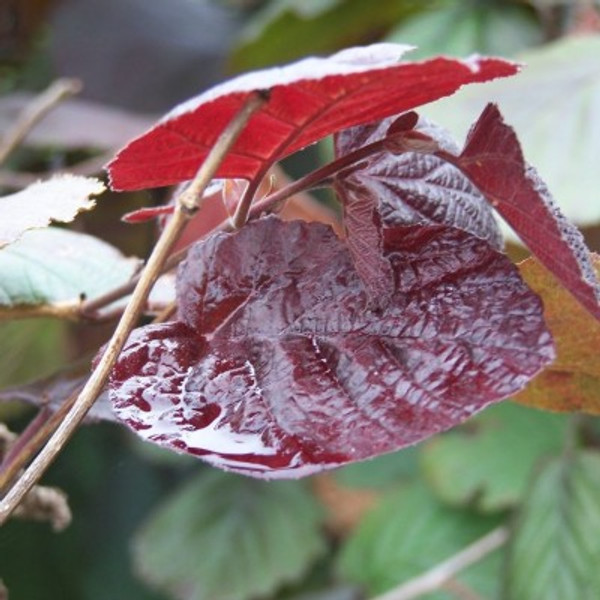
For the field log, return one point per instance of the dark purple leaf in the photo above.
(309, 100)
(277, 367)
(493, 160)
(403, 189)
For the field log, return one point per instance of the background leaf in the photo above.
(52, 266)
(554, 104)
(308, 100)
(308, 28)
(495, 28)
(278, 368)
(572, 381)
(555, 550)
(488, 463)
(411, 532)
(57, 199)
(224, 537)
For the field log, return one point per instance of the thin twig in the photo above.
(34, 112)
(31, 440)
(184, 209)
(433, 579)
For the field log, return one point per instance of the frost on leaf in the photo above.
(278, 368)
(493, 160)
(308, 100)
(57, 199)
(398, 187)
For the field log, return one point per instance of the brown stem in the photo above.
(30, 440)
(185, 207)
(35, 112)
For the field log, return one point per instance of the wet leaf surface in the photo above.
(278, 368)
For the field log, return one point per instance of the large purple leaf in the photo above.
(406, 188)
(277, 367)
(493, 160)
(309, 100)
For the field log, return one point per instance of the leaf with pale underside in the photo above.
(554, 104)
(572, 381)
(58, 199)
(307, 101)
(278, 367)
(51, 270)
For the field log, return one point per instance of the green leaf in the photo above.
(555, 551)
(226, 537)
(286, 30)
(487, 463)
(554, 104)
(381, 471)
(31, 348)
(50, 267)
(411, 532)
(465, 28)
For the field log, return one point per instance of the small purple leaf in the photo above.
(277, 367)
(406, 189)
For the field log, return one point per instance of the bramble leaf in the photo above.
(58, 199)
(493, 160)
(411, 532)
(308, 100)
(572, 381)
(274, 528)
(278, 368)
(488, 463)
(555, 549)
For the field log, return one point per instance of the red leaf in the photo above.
(493, 160)
(403, 189)
(148, 213)
(277, 368)
(309, 100)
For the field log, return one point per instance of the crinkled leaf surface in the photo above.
(554, 104)
(224, 537)
(278, 368)
(493, 160)
(555, 549)
(58, 199)
(52, 266)
(406, 188)
(572, 381)
(309, 100)
(411, 532)
(488, 463)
